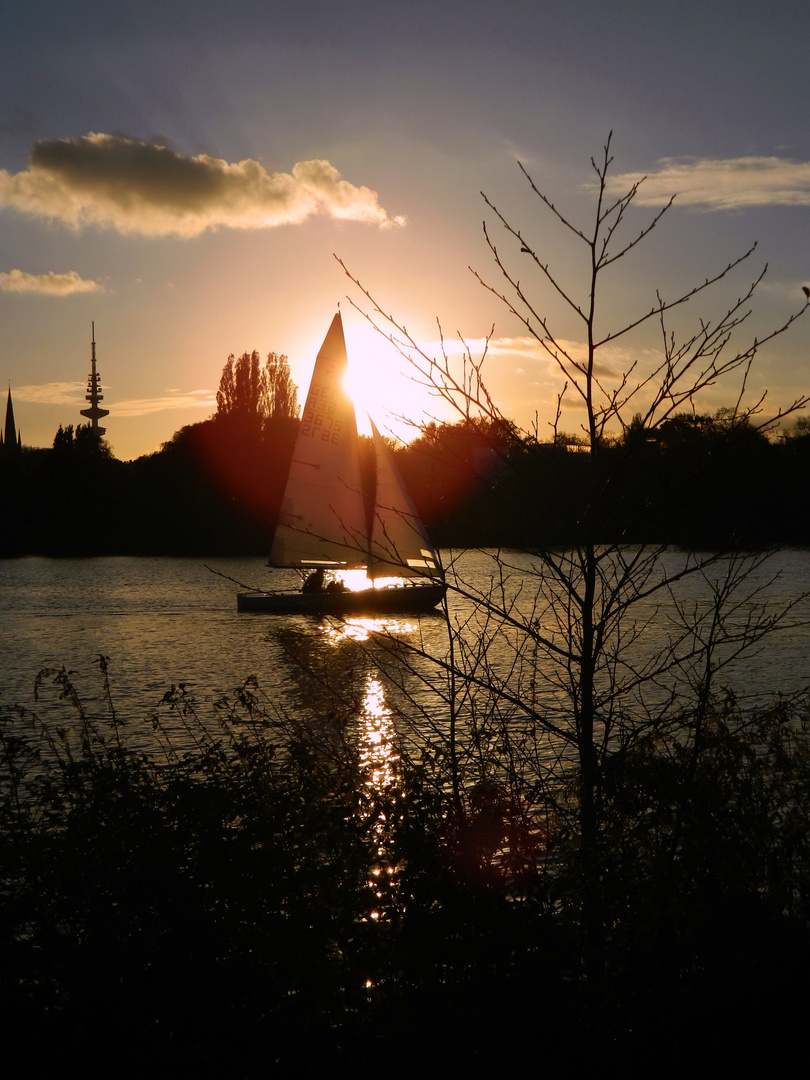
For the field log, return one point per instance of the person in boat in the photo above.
(315, 582)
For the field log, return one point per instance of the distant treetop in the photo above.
(254, 393)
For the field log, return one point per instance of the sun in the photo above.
(380, 383)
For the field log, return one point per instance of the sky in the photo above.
(184, 174)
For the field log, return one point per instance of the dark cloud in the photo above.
(148, 188)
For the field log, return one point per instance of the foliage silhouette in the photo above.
(208, 900)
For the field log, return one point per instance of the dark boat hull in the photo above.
(396, 600)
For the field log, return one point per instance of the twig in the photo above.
(241, 584)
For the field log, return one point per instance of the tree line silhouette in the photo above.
(216, 487)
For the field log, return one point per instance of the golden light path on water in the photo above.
(376, 738)
(376, 733)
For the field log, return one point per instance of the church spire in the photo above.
(11, 439)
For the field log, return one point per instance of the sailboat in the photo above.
(329, 523)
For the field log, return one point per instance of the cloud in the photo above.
(73, 393)
(528, 347)
(49, 284)
(143, 187)
(721, 183)
(612, 358)
(525, 347)
(194, 399)
(53, 393)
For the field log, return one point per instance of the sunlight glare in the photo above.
(380, 383)
(360, 629)
(357, 580)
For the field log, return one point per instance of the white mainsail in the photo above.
(324, 521)
(323, 515)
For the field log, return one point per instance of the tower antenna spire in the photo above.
(94, 394)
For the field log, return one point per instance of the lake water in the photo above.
(165, 621)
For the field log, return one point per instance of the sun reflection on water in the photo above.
(378, 756)
(360, 630)
(372, 730)
(378, 759)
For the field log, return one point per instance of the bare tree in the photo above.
(569, 657)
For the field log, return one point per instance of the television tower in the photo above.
(94, 394)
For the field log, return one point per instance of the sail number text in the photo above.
(319, 419)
